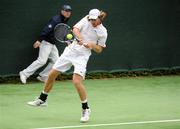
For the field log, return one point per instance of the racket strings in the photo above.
(61, 32)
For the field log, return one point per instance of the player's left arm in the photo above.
(95, 47)
(100, 45)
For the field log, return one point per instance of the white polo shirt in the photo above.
(96, 35)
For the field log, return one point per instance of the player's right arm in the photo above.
(77, 28)
(76, 32)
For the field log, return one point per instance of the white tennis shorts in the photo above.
(71, 58)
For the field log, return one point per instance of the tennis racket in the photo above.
(61, 31)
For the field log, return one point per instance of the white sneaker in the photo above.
(42, 79)
(85, 115)
(37, 102)
(22, 77)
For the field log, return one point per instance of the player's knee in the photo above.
(53, 60)
(41, 61)
(76, 81)
(53, 74)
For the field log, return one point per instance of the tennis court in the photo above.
(122, 103)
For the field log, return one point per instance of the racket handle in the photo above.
(78, 40)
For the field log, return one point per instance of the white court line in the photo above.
(112, 124)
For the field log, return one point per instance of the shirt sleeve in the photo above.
(47, 29)
(81, 23)
(102, 37)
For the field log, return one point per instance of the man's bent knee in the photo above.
(41, 62)
(77, 79)
(53, 74)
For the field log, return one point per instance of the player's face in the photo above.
(66, 14)
(95, 22)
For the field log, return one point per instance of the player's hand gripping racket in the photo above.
(63, 33)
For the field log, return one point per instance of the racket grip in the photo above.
(78, 40)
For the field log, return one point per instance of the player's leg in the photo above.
(44, 51)
(77, 81)
(41, 100)
(61, 65)
(78, 76)
(53, 56)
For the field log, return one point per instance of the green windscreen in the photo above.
(142, 34)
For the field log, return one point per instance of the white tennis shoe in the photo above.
(37, 102)
(85, 115)
(42, 79)
(23, 78)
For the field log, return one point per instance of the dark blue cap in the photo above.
(66, 8)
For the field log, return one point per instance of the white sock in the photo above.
(44, 92)
(85, 101)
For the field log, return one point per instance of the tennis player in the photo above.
(47, 47)
(92, 35)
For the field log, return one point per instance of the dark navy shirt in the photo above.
(48, 32)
